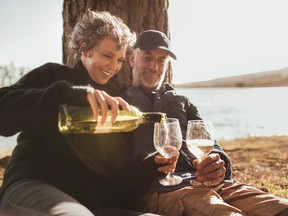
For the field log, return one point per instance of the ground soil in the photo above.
(260, 161)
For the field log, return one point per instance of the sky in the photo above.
(211, 38)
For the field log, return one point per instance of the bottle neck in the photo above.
(152, 117)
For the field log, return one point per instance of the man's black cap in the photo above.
(152, 40)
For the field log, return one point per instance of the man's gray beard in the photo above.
(146, 85)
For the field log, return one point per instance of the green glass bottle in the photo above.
(73, 119)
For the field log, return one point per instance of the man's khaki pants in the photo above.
(230, 199)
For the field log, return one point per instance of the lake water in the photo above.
(242, 112)
(235, 112)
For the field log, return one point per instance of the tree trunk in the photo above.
(139, 15)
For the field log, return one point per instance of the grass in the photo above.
(260, 161)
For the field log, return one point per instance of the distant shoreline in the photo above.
(276, 78)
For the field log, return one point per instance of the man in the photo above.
(222, 196)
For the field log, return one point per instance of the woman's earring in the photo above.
(88, 54)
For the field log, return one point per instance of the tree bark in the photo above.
(139, 15)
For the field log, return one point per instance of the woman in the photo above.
(53, 174)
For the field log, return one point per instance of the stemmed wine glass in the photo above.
(199, 140)
(167, 141)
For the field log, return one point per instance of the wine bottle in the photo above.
(73, 119)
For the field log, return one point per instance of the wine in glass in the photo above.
(199, 140)
(167, 141)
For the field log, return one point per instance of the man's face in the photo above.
(148, 67)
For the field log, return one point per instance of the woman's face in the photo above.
(104, 60)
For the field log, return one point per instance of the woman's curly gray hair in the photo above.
(94, 26)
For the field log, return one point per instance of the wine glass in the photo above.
(167, 141)
(199, 141)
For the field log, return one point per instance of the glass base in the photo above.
(172, 180)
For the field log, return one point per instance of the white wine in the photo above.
(72, 119)
(200, 147)
(166, 151)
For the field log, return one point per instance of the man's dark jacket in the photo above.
(166, 100)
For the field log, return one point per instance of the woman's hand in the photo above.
(168, 164)
(99, 100)
(210, 170)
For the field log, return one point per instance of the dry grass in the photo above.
(258, 161)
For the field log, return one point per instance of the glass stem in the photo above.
(170, 174)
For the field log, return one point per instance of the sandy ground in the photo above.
(260, 161)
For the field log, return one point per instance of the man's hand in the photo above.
(99, 100)
(210, 170)
(169, 164)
